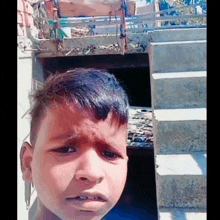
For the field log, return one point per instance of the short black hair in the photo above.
(95, 90)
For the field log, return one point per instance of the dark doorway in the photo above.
(131, 69)
(137, 84)
(62, 64)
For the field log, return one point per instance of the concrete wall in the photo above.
(178, 88)
(24, 81)
(30, 77)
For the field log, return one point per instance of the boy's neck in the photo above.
(44, 213)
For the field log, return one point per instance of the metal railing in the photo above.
(120, 26)
(105, 21)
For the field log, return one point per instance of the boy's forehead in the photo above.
(78, 113)
(64, 117)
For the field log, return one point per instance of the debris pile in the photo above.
(80, 31)
(140, 129)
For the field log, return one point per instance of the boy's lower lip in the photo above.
(86, 205)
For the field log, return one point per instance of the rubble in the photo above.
(80, 31)
(140, 125)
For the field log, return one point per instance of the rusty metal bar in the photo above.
(123, 36)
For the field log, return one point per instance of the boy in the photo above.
(77, 157)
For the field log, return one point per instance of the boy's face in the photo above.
(79, 163)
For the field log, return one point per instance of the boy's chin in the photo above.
(84, 215)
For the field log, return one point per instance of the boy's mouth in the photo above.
(88, 196)
(87, 202)
(82, 198)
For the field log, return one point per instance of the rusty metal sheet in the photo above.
(75, 8)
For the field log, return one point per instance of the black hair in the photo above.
(92, 89)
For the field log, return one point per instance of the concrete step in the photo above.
(179, 90)
(177, 56)
(182, 214)
(182, 34)
(179, 130)
(181, 180)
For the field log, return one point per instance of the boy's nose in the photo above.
(89, 169)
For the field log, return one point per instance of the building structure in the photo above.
(174, 58)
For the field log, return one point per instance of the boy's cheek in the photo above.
(48, 172)
(56, 175)
(60, 176)
(117, 183)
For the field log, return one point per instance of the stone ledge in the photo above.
(180, 114)
(182, 164)
(183, 56)
(181, 180)
(179, 130)
(179, 75)
(178, 42)
(178, 34)
(182, 214)
(191, 87)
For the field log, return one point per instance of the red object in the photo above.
(75, 8)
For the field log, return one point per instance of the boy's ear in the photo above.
(26, 156)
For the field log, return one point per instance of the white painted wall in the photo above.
(24, 82)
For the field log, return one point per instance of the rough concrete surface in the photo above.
(180, 136)
(182, 56)
(185, 34)
(179, 92)
(181, 191)
(178, 88)
(181, 180)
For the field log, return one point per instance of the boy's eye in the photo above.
(110, 154)
(65, 150)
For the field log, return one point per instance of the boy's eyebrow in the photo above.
(111, 145)
(65, 136)
(71, 136)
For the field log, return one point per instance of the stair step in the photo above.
(180, 114)
(179, 90)
(181, 180)
(179, 130)
(178, 56)
(179, 75)
(182, 214)
(183, 34)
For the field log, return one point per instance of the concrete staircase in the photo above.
(178, 89)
